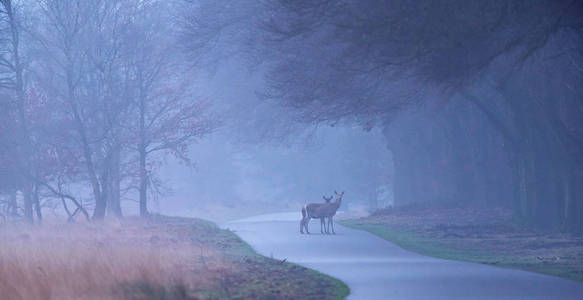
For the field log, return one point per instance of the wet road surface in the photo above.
(376, 269)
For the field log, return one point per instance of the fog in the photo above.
(453, 129)
(238, 173)
(204, 107)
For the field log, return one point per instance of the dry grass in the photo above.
(129, 260)
(160, 258)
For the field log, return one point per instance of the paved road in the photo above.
(376, 269)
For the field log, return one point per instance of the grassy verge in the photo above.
(481, 236)
(159, 258)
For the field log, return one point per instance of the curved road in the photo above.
(376, 269)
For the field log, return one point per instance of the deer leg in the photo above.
(322, 225)
(306, 220)
(330, 224)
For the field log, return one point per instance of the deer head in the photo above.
(328, 199)
(339, 196)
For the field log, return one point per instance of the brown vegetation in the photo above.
(161, 258)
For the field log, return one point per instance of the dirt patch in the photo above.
(488, 236)
(159, 258)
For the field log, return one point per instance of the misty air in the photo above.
(291, 149)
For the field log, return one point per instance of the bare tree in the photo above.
(82, 41)
(169, 114)
(13, 68)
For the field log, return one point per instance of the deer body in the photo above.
(321, 211)
(313, 210)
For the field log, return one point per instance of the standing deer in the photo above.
(334, 207)
(321, 211)
(314, 208)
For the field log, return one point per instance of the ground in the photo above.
(489, 236)
(159, 258)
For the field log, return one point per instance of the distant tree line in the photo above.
(93, 94)
(481, 101)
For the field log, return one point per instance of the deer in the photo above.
(332, 212)
(321, 211)
(314, 207)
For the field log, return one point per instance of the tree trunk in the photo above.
(114, 206)
(24, 131)
(36, 201)
(401, 186)
(567, 202)
(143, 184)
(27, 197)
(13, 204)
(519, 187)
(100, 201)
(143, 153)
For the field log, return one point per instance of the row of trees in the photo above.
(495, 87)
(93, 93)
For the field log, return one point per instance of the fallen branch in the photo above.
(66, 196)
